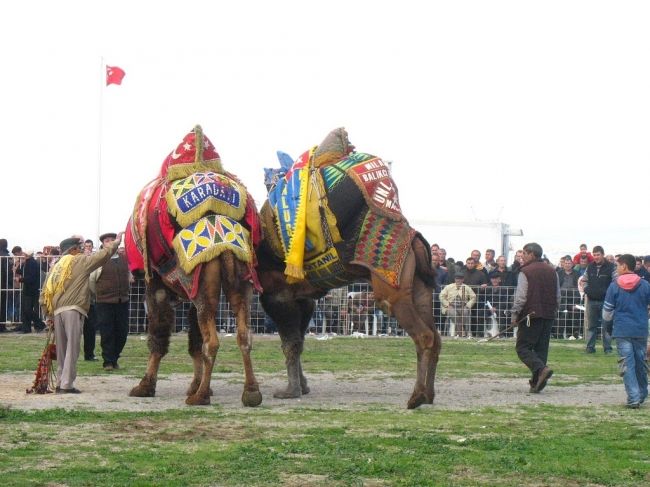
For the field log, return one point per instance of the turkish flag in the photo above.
(114, 75)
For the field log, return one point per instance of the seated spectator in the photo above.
(456, 302)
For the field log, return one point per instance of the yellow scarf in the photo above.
(55, 282)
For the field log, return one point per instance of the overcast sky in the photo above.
(532, 113)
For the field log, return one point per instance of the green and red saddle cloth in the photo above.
(384, 236)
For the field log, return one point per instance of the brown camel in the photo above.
(354, 218)
(185, 253)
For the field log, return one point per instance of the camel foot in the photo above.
(304, 387)
(417, 400)
(198, 400)
(251, 399)
(287, 393)
(194, 386)
(143, 390)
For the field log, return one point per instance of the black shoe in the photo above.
(590, 351)
(544, 375)
(91, 359)
(74, 390)
(633, 405)
(115, 366)
(24, 331)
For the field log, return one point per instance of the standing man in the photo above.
(490, 263)
(65, 299)
(112, 304)
(537, 297)
(626, 302)
(6, 279)
(594, 282)
(29, 275)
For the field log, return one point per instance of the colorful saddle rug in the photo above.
(372, 177)
(208, 237)
(201, 193)
(153, 243)
(383, 236)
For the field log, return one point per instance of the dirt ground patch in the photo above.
(110, 393)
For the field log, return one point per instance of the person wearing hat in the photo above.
(536, 302)
(65, 300)
(110, 283)
(28, 273)
(456, 301)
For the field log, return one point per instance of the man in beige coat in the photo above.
(456, 301)
(65, 300)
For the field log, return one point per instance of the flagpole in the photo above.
(102, 79)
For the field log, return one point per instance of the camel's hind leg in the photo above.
(412, 306)
(292, 317)
(161, 321)
(195, 349)
(240, 303)
(207, 302)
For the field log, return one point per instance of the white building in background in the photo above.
(459, 238)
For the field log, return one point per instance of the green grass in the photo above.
(367, 445)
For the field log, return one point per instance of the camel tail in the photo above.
(423, 267)
(229, 269)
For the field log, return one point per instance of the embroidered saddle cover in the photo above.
(183, 219)
(345, 211)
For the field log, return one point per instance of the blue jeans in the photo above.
(632, 352)
(596, 321)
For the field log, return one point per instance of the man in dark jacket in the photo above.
(111, 283)
(537, 298)
(29, 275)
(595, 281)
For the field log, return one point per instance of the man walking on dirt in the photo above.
(537, 298)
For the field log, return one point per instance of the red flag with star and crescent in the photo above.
(114, 75)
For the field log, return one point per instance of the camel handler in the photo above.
(65, 300)
(537, 297)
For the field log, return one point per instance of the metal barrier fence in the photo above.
(343, 311)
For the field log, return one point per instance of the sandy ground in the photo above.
(110, 393)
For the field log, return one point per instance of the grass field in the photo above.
(332, 445)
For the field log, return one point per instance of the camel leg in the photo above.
(292, 317)
(161, 321)
(422, 299)
(207, 302)
(195, 349)
(240, 304)
(413, 308)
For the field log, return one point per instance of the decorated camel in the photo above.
(331, 218)
(192, 233)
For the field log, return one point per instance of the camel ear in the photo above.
(285, 160)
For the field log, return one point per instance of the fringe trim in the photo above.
(205, 207)
(211, 253)
(179, 171)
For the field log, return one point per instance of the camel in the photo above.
(181, 236)
(353, 222)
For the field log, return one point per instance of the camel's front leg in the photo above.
(161, 321)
